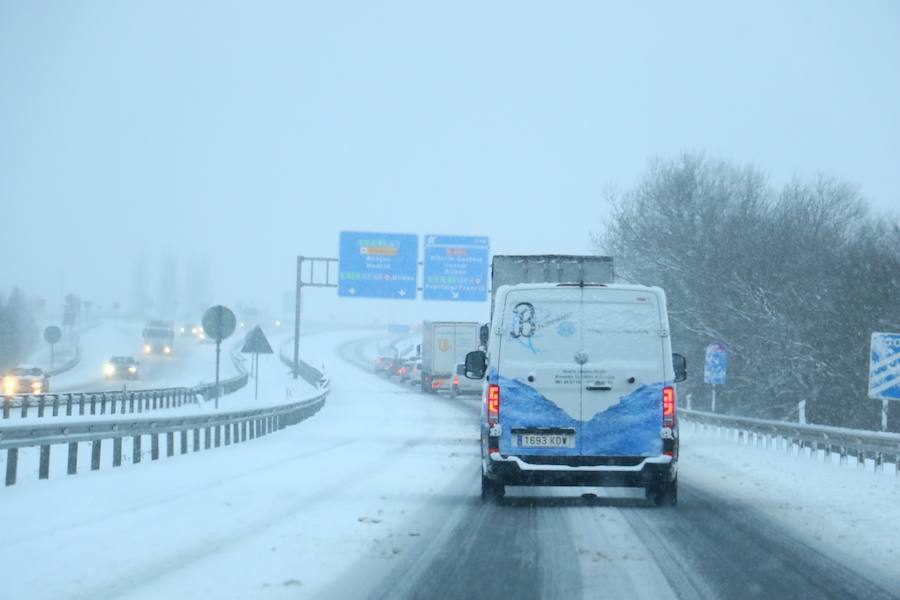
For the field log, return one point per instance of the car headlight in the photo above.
(132, 369)
(148, 348)
(109, 369)
(167, 350)
(10, 384)
(37, 386)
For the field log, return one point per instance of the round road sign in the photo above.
(52, 334)
(219, 323)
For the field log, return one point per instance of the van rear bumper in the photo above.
(514, 470)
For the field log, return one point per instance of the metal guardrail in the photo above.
(207, 431)
(97, 403)
(878, 446)
(67, 366)
(120, 401)
(308, 373)
(208, 390)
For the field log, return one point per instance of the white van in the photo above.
(579, 389)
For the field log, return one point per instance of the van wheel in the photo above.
(491, 489)
(665, 494)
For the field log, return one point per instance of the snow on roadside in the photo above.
(277, 517)
(851, 510)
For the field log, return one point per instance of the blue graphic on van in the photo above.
(566, 329)
(531, 324)
(629, 428)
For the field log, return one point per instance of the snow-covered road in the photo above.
(377, 496)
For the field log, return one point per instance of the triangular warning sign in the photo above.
(256, 342)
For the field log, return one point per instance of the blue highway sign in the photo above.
(716, 364)
(378, 265)
(456, 268)
(884, 367)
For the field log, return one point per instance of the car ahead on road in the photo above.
(406, 369)
(580, 389)
(192, 330)
(462, 385)
(120, 367)
(384, 363)
(25, 380)
(415, 372)
(398, 368)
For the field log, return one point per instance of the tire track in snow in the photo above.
(710, 547)
(707, 547)
(192, 553)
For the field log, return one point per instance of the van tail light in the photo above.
(493, 404)
(456, 380)
(668, 401)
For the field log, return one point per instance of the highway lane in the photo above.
(557, 543)
(377, 497)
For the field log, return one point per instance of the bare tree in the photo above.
(793, 281)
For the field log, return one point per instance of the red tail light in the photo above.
(493, 403)
(456, 380)
(668, 398)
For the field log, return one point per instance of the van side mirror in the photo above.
(476, 364)
(483, 334)
(679, 365)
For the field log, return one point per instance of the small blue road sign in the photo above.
(716, 364)
(884, 367)
(378, 265)
(456, 268)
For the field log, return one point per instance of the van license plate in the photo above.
(544, 440)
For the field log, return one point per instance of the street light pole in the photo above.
(297, 318)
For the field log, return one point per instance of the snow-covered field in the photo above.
(273, 516)
(377, 496)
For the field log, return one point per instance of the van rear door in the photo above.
(538, 371)
(624, 342)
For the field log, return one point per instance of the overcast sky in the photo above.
(250, 132)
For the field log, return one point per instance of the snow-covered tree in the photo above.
(793, 281)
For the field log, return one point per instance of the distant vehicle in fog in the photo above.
(415, 373)
(462, 385)
(159, 337)
(406, 369)
(26, 379)
(120, 367)
(384, 363)
(445, 345)
(192, 330)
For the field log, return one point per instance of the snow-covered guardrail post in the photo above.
(878, 446)
(239, 426)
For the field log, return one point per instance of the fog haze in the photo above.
(244, 134)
